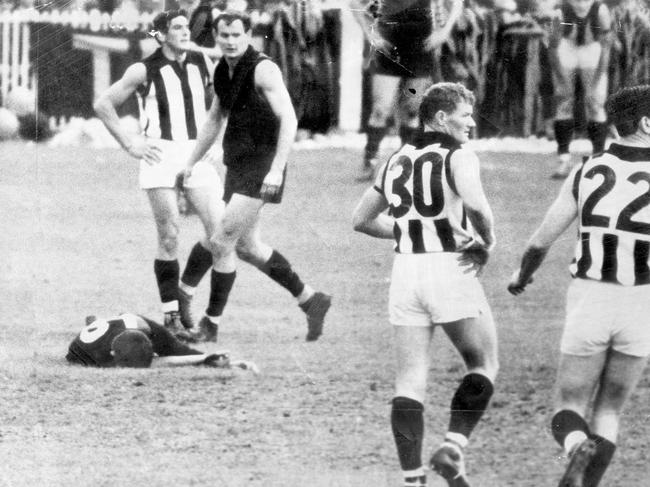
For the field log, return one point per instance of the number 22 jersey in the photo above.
(418, 185)
(613, 196)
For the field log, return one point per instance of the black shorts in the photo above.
(406, 31)
(249, 183)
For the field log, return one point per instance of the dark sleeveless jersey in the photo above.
(405, 22)
(583, 30)
(173, 101)
(92, 346)
(251, 135)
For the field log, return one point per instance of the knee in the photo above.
(245, 252)
(168, 239)
(220, 245)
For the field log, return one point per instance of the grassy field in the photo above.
(76, 238)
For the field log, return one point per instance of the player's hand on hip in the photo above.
(517, 286)
(474, 257)
(271, 186)
(146, 151)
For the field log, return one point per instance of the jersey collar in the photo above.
(629, 153)
(428, 138)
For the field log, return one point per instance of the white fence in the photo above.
(14, 52)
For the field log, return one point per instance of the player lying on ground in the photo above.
(130, 340)
(606, 337)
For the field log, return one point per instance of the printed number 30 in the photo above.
(432, 187)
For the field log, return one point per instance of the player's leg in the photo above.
(383, 96)
(251, 249)
(407, 412)
(577, 378)
(564, 79)
(240, 213)
(476, 341)
(618, 381)
(165, 211)
(209, 207)
(595, 88)
(411, 96)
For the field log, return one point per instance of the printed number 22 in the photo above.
(624, 221)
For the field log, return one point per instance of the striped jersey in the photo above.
(419, 188)
(613, 196)
(173, 101)
(582, 30)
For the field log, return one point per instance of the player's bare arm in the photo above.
(368, 216)
(207, 135)
(106, 109)
(363, 16)
(559, 216)
(439, 35)
(269, 83)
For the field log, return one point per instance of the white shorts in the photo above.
(602, 315)
(427, 289)
(174, 157)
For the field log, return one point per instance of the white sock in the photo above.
(418, 472)
(572, 440)
(187, 289)
(170, 306)
(306, 293)
(457, 438)
(214, 319)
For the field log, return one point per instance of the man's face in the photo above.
(232, 39)
(460, 122)
(178, 35)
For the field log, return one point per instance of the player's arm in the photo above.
(439, 35)
(207, 135)
(269, 83)
(362, 14)
(368, 216)
(465, 169)
(106, 109)
(559, 216)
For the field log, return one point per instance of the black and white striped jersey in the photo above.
(173, 102)
(613, 196)
(418, 185)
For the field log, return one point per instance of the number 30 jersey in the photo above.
(418, 185)
(613, 196)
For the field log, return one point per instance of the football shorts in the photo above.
(432, 288)
(602, 315)
(174, 157)
(249, 183)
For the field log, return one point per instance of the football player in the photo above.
(606, 337)
(403, 36)
(580, 47)
(442, 225)
(130, 340)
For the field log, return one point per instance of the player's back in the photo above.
(418, 184)
(613, 196)
(92, 346)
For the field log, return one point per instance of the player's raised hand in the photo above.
(272, 186)
(517, 285)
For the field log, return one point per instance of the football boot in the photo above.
(579, 460)
(185, 309)
(173, 324)
(448, 462)
(316, 308)
(206, 331)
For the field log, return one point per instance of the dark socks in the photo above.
(407, 422)
(469, 403)
(167, 272)
(198, 263)
(375, 136)
(220, 285)
(596, 469)
(279, 269)
(597, 133)
(565, 422)
(563, 135)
